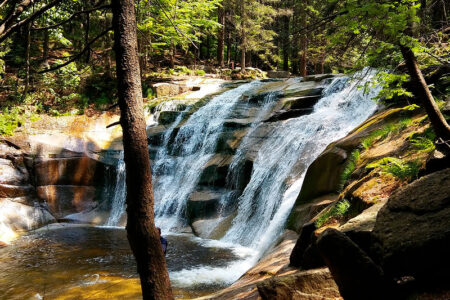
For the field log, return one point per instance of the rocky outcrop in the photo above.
(306, 285)
(324, 174)
(357, 276)
(412, 231)
(20, 209)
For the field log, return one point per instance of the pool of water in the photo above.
(83, 262)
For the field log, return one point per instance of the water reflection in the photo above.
(81, 262)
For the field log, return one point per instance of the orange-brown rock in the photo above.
(67, 199)
(68, 171)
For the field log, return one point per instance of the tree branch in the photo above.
(72, 17)
(77, 56)
(6, 32)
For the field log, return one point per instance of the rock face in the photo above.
(313, 284)
(357, 276)
(412, 231)
(19, 206)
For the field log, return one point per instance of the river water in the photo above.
(84, 262)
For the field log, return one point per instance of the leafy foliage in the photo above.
(349, 168)
(397, 167)
(337, 211)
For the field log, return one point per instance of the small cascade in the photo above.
(282, 160)
(193, 146)
(119, 194)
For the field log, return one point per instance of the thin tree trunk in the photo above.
(440, 125)
(221, 36)
(286, 43)
(142, 234)
(86, 34)
(27, 60)
(45, 46)
(228, 46)
(243, 40)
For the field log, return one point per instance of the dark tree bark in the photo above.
(243, 38)
(142, 234)
(221, 36)
(87, 26)
(286, 43)
(440, 125)
(45, 46)
(27, 60)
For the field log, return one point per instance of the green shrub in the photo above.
(200, 72)
(11, 118)
(397, 167)
(337, 211)
(349, 168)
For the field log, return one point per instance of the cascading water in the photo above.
(278, 172)
(280, 161)
(192, 148)
(289, 149)
(119, 194)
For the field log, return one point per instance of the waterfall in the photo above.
(288, 150)
(178, 168)
(278, 172)
(280, 159)
(119, 194)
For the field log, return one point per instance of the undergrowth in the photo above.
(11, 118)
(404, 170)
(423, 142)
(384, 132)
(337, 211)
(349, 168)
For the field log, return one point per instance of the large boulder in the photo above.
(412, 231)
(357, 276)
(303, 242)
(307, 285)
(16, 217)
(203, 204)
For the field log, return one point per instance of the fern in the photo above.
(396, 167)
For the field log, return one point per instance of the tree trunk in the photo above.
(142, 234)
(440, 125)
(86, 34)
(286, 43)
(27, 60)
(45, 46)
(221, 36)
(243, 41)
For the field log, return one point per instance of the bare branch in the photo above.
(78, 55)
(113, 124)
